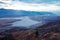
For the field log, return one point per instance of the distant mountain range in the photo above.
(19, 13)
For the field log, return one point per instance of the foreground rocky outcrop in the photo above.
(49, 31)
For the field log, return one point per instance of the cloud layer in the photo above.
(17, 5)
(40, 1)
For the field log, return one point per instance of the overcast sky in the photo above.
(31, 5)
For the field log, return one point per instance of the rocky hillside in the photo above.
(49, 31)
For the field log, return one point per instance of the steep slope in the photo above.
(52, 28)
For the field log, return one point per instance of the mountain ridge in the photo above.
(19, 13)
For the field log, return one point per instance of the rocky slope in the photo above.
(39, 33)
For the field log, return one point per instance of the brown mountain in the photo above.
(49, 31)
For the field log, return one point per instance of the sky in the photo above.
(31, 5)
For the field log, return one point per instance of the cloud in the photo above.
(40, 1)
(17, 5)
